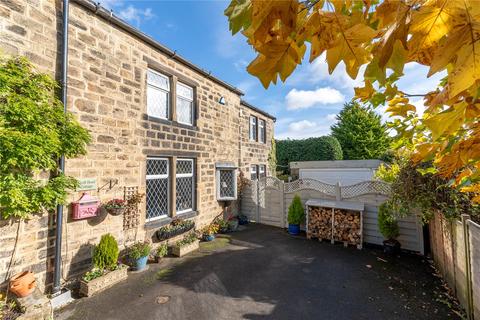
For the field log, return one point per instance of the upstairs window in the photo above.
(253, 172)
(158, 95)
(184, 104)
(253, 128)
(262, 131)
(262, 171)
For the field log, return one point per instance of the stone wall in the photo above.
(107, 94)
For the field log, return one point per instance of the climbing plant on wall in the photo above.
(34, 133)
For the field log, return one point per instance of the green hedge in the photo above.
(311, 149)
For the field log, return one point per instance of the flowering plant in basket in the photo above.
(116, 206)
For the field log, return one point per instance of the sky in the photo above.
(305, 105)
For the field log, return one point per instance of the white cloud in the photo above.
(304, 99)
(317, 72)
(241, 65)
(307, 128)
(133, 14)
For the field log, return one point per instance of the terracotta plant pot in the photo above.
(23, 284)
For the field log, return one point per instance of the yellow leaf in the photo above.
(446, 122)
(400, 109)
(366, 92)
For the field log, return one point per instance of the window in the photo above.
(157, 188)
(158, 94)
(226, 182)
(253, 128)
(253, 172)
(184, 104)
(261, 171)
(262, 131)
(185, 187)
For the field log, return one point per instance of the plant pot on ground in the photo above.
(115, 207)
(388, 225)
(296, 215)
(188, 244)
(106, 270)
(138, 255)
(242, 219)
(222, 225)
(22, 284)
(208, 232)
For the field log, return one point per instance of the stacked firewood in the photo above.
(320, 223)
(346, 226)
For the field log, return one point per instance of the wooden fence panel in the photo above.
(474, 241)
(460, 263)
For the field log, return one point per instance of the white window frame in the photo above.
(262, 131)
(253, 123)
(154, 87)
(191, 100)
(253, 169)
(186, 175)
(157, 177)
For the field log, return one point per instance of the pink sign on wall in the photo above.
(86, 207)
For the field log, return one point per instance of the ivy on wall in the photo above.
(34, 133)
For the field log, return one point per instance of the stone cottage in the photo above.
(161, 126)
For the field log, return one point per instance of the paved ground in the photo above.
(263, 273)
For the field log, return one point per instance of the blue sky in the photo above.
(305, 105)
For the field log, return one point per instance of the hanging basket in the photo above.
(116, 211)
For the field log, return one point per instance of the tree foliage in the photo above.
(311, 149)
(443, 35)
(387, 222)
(361, 133)
(296, 214)
(272, 158)
(34, 133)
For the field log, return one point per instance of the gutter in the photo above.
(61, 165)
(112, 18)
(266, 114)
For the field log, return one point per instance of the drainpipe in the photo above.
(59, 219)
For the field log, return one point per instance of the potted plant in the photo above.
(22, 284)
(188, 244)
(222, 225)
(388, 225)
(116, 207)
(242, 219)
(208, 232)
(161, 252)
(138, 254)
(175, 228)
(106, 270)
(296, 215)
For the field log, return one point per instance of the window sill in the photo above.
(170, 122)
(187, 215)
(157, 223)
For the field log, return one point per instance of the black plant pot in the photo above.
(391, 247)
(164, 235)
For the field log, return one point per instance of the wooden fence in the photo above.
(266, 201)
(455, 246)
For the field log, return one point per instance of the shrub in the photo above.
(162, 250)
(295, 211)
(311, 149)
(387, 222)
(139, 250)
(189, 238)
(105, 255)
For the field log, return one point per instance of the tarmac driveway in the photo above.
(263, 273)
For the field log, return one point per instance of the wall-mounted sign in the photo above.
(87, 184)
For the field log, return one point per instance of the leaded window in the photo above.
(253, 172)
(184, 104)
(184, 185)
(157, 185)
(262, 171)
(158, 95)
(262, 131)
(253, 128)
(226, 183)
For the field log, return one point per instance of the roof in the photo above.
(266, 114)
(115, 20)
(331, 164)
